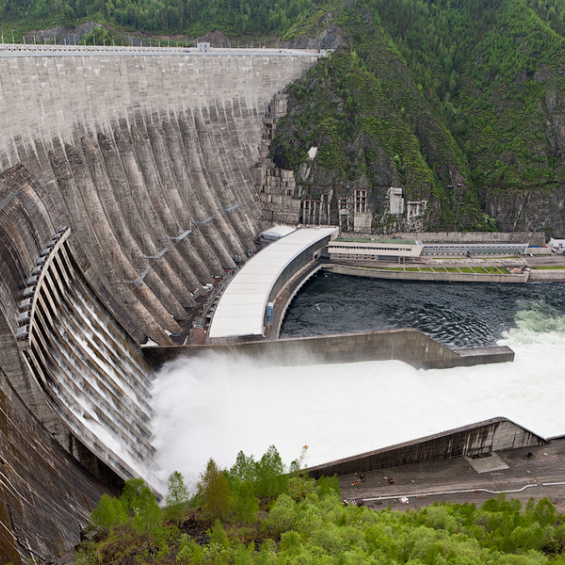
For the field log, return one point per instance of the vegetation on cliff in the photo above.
(462, 103)
(194, 17)
(255, 513)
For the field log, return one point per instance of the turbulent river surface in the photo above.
(458, 314)
(215, 406)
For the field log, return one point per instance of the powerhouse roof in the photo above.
(277, 232)
(241, 308)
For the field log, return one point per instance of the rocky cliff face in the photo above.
(458, 107)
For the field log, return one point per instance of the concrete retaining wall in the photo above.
(410, 346)
(532, 238)
(375, 273)
(491, 435)
(542, 275)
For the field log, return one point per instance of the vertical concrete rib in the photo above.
(139, 304)
(193, 191)
(241, 157)
(165, 224)
(120, 223)
(131, 204)
(226, 144)
(195, 246)
(143, 222)
(211, 184)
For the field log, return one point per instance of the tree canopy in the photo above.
(309, 524)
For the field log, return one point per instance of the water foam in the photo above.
(215, 406)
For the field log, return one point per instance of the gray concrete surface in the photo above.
(408, 345)
(532, 274)
(455, 480)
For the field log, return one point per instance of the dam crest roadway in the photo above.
(38, 50)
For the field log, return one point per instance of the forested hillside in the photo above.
(461, 103)
(458, 103)
(254, 513)
(169, 16)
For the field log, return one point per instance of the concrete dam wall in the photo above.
(125, 185)
(148, 159)
(496, 434)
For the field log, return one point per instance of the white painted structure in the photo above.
(275, 233)
(372, 250)
(557, 245)
(242, 306)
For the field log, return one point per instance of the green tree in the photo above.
(190, 553)
(109, 513)
(244, 468)
(271, 478)
(218, 535)
(177, 497)
(244, 503)
(282, 516)
(141, 505)
(214, 492)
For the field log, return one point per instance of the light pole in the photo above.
(13, 41)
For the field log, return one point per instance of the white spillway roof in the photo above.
(241, 308)
(277, 231)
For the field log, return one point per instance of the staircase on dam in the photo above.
(125, 186)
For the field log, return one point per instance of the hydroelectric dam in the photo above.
(129, 179)
(126, 184)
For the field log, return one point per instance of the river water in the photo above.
(462, 315)
(215, 406)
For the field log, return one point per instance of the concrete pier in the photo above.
(534, 471)
(410, 345)
(496, 434)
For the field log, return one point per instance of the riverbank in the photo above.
(483, 270)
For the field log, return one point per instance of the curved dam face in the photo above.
(125, 185)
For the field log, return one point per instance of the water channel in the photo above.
(217, 406)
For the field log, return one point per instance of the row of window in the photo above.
(368, 249)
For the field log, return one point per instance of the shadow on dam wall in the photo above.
(145, 164)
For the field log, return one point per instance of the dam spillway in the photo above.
(130, 174)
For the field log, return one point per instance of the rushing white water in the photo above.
(216, 406)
